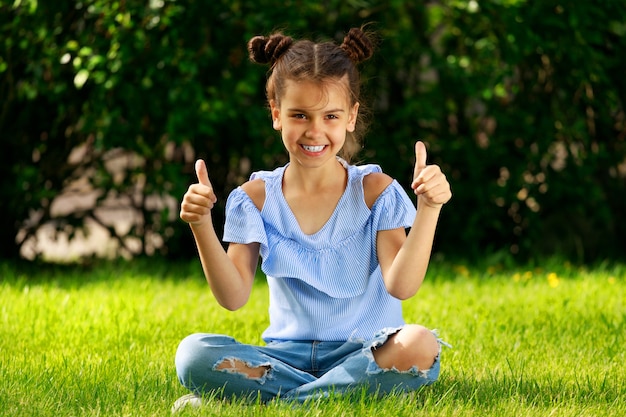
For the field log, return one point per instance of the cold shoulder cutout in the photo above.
(256, 191)
(373, 185)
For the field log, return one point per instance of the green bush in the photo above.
(521, 103)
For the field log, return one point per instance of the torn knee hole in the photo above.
(241, 367)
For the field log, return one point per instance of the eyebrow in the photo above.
(305, 111)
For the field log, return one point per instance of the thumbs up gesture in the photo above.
(199, 199)
(429, 183)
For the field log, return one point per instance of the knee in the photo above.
(424, 346)
(187, 358)
(195, 356)
(421, 337)
(413, 346)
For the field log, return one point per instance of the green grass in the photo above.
(100, 341)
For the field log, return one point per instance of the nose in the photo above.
(314, 129)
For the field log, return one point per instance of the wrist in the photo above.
(200, 226)
(423, 205)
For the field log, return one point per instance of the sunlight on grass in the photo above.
(101, 341)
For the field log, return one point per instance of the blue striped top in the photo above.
(326, 286)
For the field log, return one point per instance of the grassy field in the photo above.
(100, 341)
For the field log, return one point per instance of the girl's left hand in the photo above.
(429, 183)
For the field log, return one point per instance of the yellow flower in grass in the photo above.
(461, 270)
(553, 280)
(523, 277)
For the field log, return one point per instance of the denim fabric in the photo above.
(296, 370)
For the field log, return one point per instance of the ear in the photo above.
(275, 111)
(352, 117)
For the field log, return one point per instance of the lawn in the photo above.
(100, 341)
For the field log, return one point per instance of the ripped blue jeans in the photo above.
(292, 370)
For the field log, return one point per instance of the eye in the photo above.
(332, 116)
(298, 116)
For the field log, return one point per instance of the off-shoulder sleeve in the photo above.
(243, 220)
(393, 208)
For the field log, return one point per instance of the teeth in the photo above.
(313, 148)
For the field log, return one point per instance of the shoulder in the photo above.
(255, 189)
(373, 185)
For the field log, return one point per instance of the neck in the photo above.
(311, 179)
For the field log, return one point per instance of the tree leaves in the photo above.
(493, 86)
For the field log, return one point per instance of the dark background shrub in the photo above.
(521, 103)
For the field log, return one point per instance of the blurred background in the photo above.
(105, 105)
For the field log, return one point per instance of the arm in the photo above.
(229, 274)
(404, 259)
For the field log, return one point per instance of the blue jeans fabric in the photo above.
(296, 370)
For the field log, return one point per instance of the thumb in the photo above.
(420, 158)
(202, 173)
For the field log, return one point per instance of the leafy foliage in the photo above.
(521, 103)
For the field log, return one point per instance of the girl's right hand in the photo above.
(199, 199)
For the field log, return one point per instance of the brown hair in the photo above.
(311, 61)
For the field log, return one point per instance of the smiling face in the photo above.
(314, 119)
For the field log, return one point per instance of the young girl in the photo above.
(333, 242)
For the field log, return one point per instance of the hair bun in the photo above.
(266, 50)
(357, 45)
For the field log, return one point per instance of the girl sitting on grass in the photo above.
(333, 242)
